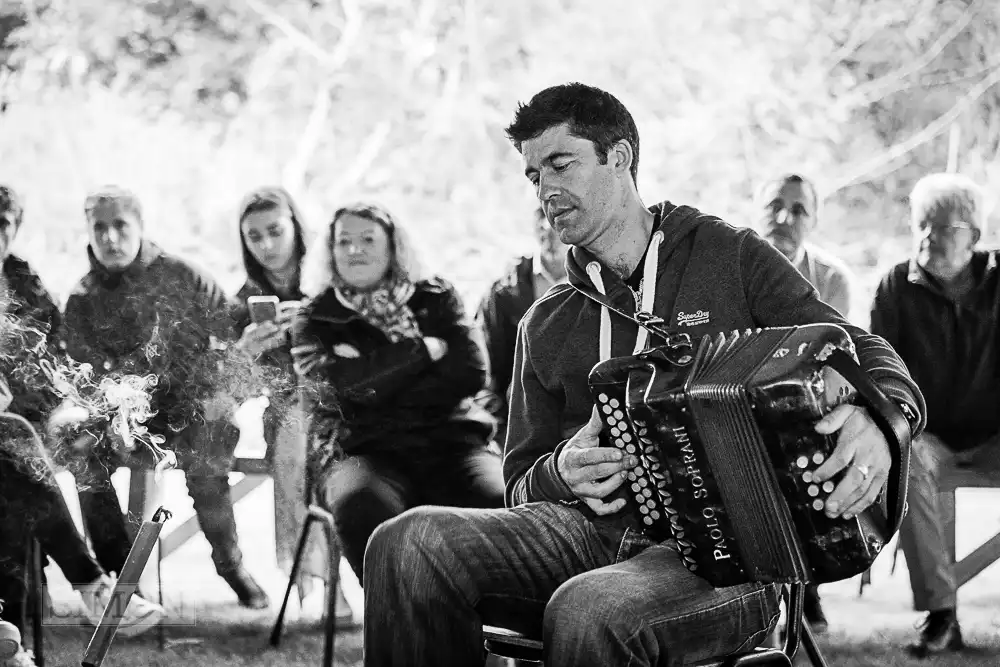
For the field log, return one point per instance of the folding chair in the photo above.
(316, 513)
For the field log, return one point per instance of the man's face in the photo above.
(789, 214)
(115, 235)
(944, 244)
(576, 192)
(8, 230)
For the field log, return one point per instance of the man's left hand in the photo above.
(863, 451)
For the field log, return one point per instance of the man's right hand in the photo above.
(593, 472)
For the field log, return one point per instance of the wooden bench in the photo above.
(988, 552)
(141, 503)
(953, 479)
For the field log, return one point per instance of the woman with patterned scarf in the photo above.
(390, 364)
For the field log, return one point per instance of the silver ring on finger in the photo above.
(864, 470)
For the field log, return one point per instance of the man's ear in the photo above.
(622, 155)
(976, 235)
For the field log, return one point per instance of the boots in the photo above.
(939, 632)
(251, 595)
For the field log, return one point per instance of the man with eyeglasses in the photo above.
(939, 311)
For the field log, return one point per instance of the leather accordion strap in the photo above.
(894, 427)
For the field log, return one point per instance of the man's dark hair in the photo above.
(589, 112)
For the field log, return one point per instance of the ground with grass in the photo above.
(210, 630)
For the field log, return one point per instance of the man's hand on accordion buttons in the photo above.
(862, 452)
(593, 472)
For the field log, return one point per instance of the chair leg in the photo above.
(332, 581)
(38, 591)
(811, 647)
(293, 575)
(161, 632)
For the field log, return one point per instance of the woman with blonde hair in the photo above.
(391, 364)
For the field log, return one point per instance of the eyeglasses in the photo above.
(944, 231)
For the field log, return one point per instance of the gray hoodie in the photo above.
(710, 277)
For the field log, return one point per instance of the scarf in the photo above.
(385, 307)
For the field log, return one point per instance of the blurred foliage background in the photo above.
(193, 103)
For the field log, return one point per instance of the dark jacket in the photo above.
(38, 325)
(393, 399)
(951, 348)
(278, 359)
(501, 310)
(158, 316)
(711, 278)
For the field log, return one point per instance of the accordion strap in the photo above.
(894, 427)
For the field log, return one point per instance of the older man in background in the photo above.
(789, 206)
(141, 311)
(939, 310)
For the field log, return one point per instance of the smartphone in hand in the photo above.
(262, 308)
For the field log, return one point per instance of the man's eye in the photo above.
(560, 166)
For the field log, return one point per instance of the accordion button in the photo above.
(818, 458)
(818, 504)
(606, 409)
(631, 477)
(603, 398)
(637, 470)
(802, 461)
(636, 487)
(813, 490)
(646, 520)
(654, 515)
(630, 449)
(619, 414)
(614, 403)
(627, 437)
(827, 486)
(807, 477)
(615, 432)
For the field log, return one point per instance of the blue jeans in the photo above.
(435, 575)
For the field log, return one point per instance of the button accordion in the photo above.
(724, 434)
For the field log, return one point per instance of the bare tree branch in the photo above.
(863, 171)
(366, 156)
(885, 85)
(294, 172)
(332, 59)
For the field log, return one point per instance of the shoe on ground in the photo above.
(22, 658)
(939, 632)
(249, 592)
(812, 609)
(139, 616)
(10, 640)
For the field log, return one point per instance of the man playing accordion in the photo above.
(567, 561)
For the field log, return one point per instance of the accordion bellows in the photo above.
(725, 435)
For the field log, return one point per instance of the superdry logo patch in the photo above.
(692, 319)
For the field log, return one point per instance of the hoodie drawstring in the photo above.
(594, 271)
(649, 268)
(648, 287)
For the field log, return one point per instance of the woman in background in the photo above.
(392, 363)
(273, 242)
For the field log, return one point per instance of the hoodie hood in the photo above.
(671, 224)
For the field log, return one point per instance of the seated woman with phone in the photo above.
(392, 363)
(273, 244)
